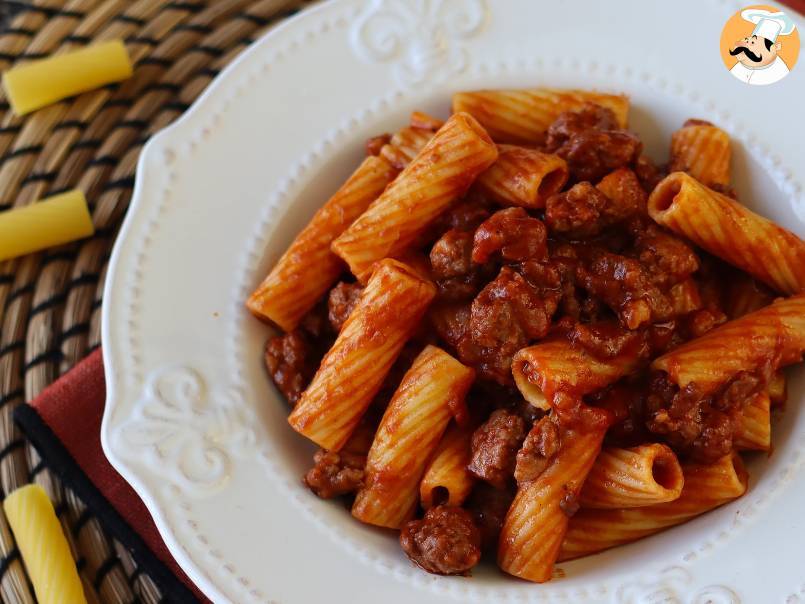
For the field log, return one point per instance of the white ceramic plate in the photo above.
(191, 419)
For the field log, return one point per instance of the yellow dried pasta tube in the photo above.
(44, 549)
(37, 84)
(52, 221)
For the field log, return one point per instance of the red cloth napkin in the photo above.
(72, 408)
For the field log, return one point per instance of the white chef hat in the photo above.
(768, 25)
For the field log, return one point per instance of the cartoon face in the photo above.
(755, 51)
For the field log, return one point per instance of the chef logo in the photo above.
(760, 45)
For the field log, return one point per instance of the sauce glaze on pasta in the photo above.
(555, 309)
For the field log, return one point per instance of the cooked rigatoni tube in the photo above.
(447, 479)
(706, 487)
(774, 332)
(441, 173)
(40, 83)
(725, 228)
(703, 151)
(370, 340)
(405, 145)
(431, 392)
(523, 177)
(523, 116)
(537, 520)
(542, 370)
(308, 268)
(44, 548)
(634, 477)
(754, 424)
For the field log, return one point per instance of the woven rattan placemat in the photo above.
(50, 303)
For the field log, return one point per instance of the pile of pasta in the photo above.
(602, 341)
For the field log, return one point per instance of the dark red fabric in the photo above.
(797, 5)
(72, 407)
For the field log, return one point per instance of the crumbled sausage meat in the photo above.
(570, 123)
(592, 154)
(335, 474)
(512, 234)
(538, 450)
(451, 255)
(288, 360)
(444, 542)
(507, 314)
(343, 299)
(668, 259)
(626, 287)
(701, 427)
(494, 447)
(579, 212)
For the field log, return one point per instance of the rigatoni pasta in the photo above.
(438, 175)
(545, 322)
(523, 177)
(725, 228)
(777, 333)
(353, 370)
(703, 151)
(447, 479)
(706, 487)
(538, 517)
(633, 477)
(431, 392)
(523, 116)
(754, 424)
(557, 366)
(291, 289)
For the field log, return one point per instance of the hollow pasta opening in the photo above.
(551, 183)
(530, 391)
(477, 128)
(439, 495)
(666, 472)
(664, 194)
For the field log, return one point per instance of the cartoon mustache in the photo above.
(743, 49)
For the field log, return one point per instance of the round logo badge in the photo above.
(760, 44)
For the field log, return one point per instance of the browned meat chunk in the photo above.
(570, 123)
(507, 314)
(700, 427)
(494, 447)
(343, 299)
(456, 276)
(538, 450)
(288, 360)
(444, 542)
(335, 474)
(579, 212)
(626, 287)
(592, 154)
(451, 255)
(668, 259)
(513, 235)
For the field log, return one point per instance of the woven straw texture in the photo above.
(50, 302)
